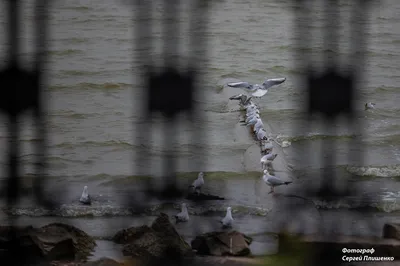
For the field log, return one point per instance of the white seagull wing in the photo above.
(259, 93)
(241, 84)
(272, 82)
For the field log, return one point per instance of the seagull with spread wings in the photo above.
(257, 90)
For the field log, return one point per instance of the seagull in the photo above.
(258, 130)
(227, 220)
(258, 125)
(252, 112)
(251, 108)
(369, 106)
(183, 216)
(250, 118)
(244, 101)
(267, 146)
(266, 159)
(252, 122)
(85, 198)
(256, 89)
(262, 134)
(240, 97)
(196, 185)
(273, 181)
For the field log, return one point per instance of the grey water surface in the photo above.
(94, 93)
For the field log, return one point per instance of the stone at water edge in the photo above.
(231, 243)
(159, 241)
(83, 243)
(391, 230)
(130, 234)
(37, 245)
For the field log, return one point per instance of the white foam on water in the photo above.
(378, 171)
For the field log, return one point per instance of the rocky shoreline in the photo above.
(59, 244)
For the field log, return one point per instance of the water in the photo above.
(94, 95)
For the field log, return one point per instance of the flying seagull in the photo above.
(256, 89)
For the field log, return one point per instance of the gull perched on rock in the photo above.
(266, 159)
(85, 198)
(252, 122)
(252, 112)
(227, 221)
(256, 89)
(261, 134)
(369, 106)
(251, 118)
(273, 181)
(196, 185)
(267, 146)
(259, 129)
(251, 107)
(183, 216)
(258, 125)
(244, 101)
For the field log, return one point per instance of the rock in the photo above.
(160, 241)
(51, 242)
(126, 236)
(83, 243)
(230, 243)
(201, 196)
(102, 262)
(37, 245)
(391, 230)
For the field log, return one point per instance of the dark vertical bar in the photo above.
(11, 79)
(143, 29)
(331, 32)
(171, 48)
(13, 179)
(41, 28)
(169, 161)
(328, 151)
(171, 32)
(198, 56)
(357, 51)
(302, 22)
(13, 30)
